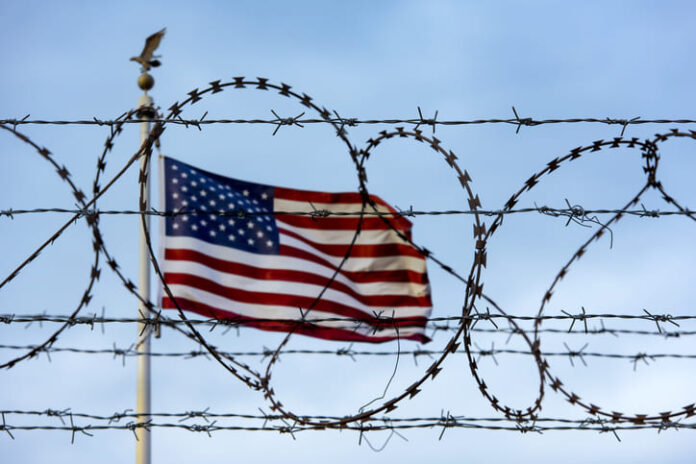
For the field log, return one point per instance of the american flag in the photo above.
(267, 270)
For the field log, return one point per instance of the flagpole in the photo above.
(143, 451)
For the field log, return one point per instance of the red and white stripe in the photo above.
(385, 275)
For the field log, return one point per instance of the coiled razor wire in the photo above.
(472, 281)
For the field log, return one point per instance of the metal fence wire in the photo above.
(459, 329)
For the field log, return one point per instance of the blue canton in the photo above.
(191, 189)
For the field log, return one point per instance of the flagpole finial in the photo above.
(147, 60)
(146, 81)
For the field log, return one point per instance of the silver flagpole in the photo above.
(143, 450)
(143, 445)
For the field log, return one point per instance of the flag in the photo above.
(234, 259)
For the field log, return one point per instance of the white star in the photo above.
(221, 196)
(231, 237)
(241, 231)
(246, 193)
(229, 194)
(175, 181)
(212, 233)
(250, 225)
(259, 219)
(194, 227)
(194, 198)
(240, 202)
(213, 217)
(184, 189)
(250, 241)
(212, 202)
(212, 188)
(193, 183)
(264, 196)
(231, 222)
(175, 167)
(231, 206)
(269, 228)
(203, 207)
(185, 218)
(185, 203)
(259, 234)
(203, 181)
(269, 243)
(203, 193)
(254, 201)
(204, 223)
(175, 226)
(222, 227)
(184, 175)
(175, 195)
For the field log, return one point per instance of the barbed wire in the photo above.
(576, 212)
(240, 320)
(210, 428)
(472, 281)
(352, 353)
(208, 422)
(362, 429)
(432, 322)
(206, 414)
(443, 423)
(299, 121)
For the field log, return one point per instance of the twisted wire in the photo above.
(472, 280)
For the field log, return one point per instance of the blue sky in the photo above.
(467, 60)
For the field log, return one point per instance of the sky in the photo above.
(368, 60)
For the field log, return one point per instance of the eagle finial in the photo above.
(147, 59)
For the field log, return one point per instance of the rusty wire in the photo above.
(472, 281)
